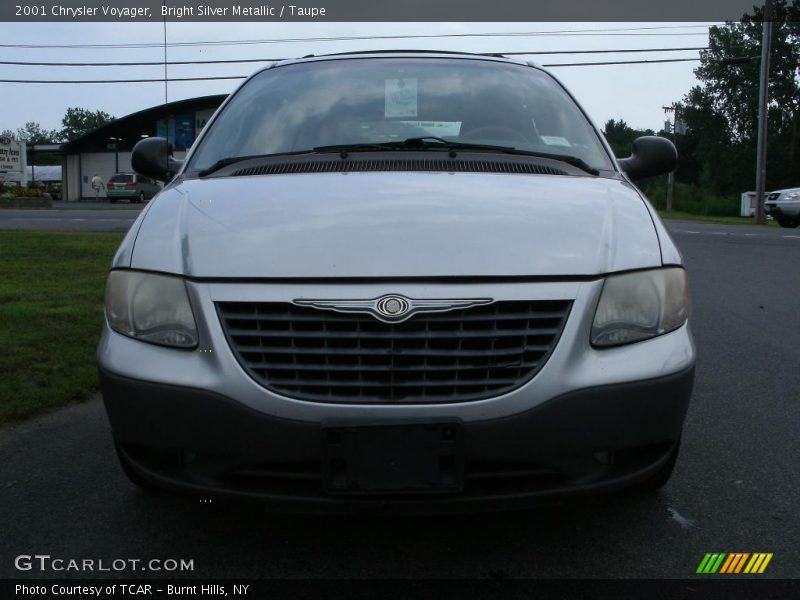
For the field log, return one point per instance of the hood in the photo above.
(396, 225)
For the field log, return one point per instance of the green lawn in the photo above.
(684, 216)
(51, 313)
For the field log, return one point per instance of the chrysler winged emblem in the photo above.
(394, 308)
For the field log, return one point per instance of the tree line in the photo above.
(76, 122)
(717, 154)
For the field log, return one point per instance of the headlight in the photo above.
(792, 196)
(638, 306)
(152, 308)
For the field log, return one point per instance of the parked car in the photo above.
(132, 187)
(54, 189)
(784, 207)
(398, 281)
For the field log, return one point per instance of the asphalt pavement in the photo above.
(72, 216)
(735, 489)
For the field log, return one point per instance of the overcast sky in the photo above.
(634, 93)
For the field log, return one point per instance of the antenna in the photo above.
(166, 85)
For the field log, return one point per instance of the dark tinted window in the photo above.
(121, 178)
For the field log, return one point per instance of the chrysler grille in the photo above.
(455, 356)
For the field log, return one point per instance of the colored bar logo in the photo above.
(734, 563)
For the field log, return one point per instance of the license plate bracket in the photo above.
(414, 458)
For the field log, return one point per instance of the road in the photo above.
(99, 217)
(735, 489)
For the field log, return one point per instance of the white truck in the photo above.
(784, 207)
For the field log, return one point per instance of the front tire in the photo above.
(788, 223)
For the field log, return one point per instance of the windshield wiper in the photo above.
(430, 142)
(229, 160)
(360, 147)
(412, 143)
(575, 161)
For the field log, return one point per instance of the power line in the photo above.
(257, 60)
(157, 63)
(122, 80)
(617, 51)
(624, 62)
(622, 31)
(178, 79)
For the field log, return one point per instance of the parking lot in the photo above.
(735, 488)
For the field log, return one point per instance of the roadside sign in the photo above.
(10, 155)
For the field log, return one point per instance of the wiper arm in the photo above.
(454, 145)
(425, 142)
(565, 158)
(229, 160)
(223, 162)
(359, 147)
(429, 142)
(412, 143)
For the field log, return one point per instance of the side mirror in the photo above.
(151, 158)
(652, 155)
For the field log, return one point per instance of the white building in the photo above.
(107, 150)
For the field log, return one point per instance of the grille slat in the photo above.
(378, 368)
(453, 356)
(356, 318)
(379, 335)
(380, 384)
(387, 351)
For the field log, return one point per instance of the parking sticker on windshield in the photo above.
(401, 98)
(554, 140)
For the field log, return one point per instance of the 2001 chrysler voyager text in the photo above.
(398, 281)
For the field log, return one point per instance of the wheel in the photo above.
(660, 477)
(141, 197)
(112, 200)
(790, 223)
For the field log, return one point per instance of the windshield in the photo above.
(299, 107)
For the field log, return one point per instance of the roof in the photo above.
(400, 51)
(45, 147)
(401, 54)
(131, 127)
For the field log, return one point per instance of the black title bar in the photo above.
(374, 10)
(696, 588)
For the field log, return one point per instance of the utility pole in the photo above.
(671, 176)
(763, 113)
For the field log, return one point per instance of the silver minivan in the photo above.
(402, 281)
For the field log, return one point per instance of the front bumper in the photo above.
(122, 194)
(586, 441)
(590, 420)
